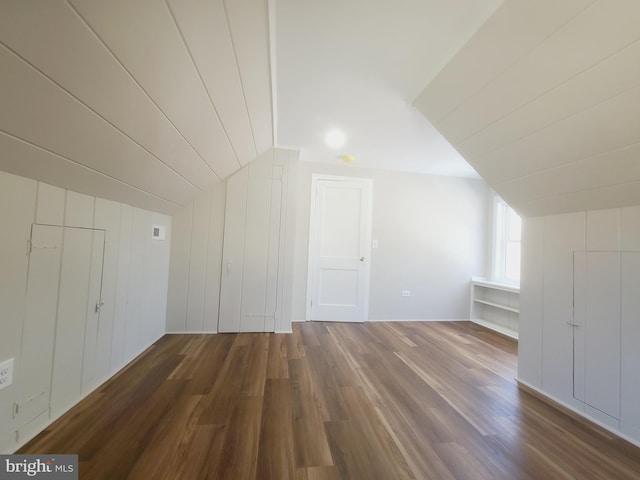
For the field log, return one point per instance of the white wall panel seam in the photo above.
(282, 258)
(508, 67)
(55, 327)
(220, 276)
(542, 310)
(26, 283)
(186, 303)
(127, 326)
(24, 303)
(95, 112)
(202, 82)
(546, 93)
(115, 57)
(273, 76)
(104, 252)
(86, 319)
(93, 170)
(206, 221)
(620, 293)
(206, 259)
(115, 292)
(269, 250)
(244, 244)
(235, 56)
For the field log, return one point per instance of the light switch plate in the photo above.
(406, 293)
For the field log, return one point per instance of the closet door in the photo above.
(597, 289)
(233, 252)
(80, 278)
(95, 333)
(261, 249)
(40, 322)
(251, 251)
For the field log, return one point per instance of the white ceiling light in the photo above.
(335, 138)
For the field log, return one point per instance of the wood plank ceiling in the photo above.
(544, 101)
(147, 102)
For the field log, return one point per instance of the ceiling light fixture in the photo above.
(335, 138)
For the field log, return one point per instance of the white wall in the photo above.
(546, 346)
(196, 259)
(432, 233)
(135, 276)
(196, 255)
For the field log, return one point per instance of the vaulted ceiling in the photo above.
(356, 66)
(544, 101)
(144, 101)
(150, 102)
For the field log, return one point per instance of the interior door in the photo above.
(95, 331)
(597, 329)
(340, 244)
(78, 317)
(36, 356)
(251, 253)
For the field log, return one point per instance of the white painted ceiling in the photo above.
(357, 65)
(544, 101)
(148, 102)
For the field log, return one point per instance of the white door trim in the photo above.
(315, 178)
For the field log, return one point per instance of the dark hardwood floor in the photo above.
(331, 401)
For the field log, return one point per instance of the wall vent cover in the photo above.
(158, 232)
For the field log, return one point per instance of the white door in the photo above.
(78, 316)
(39, 323)
(95, 330)
(597, 322)
(340, 245)
(253, 234)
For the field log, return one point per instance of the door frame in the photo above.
(313, 231)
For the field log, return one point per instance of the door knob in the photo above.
(362, 259)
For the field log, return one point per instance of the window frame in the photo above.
(501, 240)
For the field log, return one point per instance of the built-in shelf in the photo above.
(495, 305)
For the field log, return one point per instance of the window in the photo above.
(506, 253)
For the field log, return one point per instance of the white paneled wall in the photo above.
(199, 230)
(254, 234)
(62, 347)
(580, 314)
(194, 273)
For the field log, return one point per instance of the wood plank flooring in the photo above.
(331, 401)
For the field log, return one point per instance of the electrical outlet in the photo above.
(6, 373)
(406, 293)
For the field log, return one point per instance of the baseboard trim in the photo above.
(191, 333)
(390, 320)
(590, 422)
